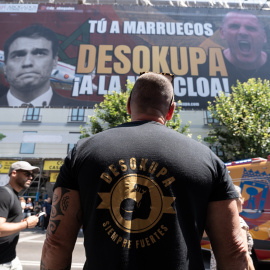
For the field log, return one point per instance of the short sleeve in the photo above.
(223, 188)
(5, 201)
(66, 176)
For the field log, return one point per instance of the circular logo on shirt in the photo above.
(136, 203)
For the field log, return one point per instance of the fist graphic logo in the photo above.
(140, 207)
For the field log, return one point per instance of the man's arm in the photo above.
(8, 228)
(225, 234)
(62, 232)
(244, 235)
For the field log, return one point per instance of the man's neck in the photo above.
(160, 120)
(251, 66)
(30, 94)
(14, 186)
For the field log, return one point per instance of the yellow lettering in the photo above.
(106, 223)
(114, 236)
(124, 242)
(113, 170)
(216, 62)
(142, 243)
(164, 228)
(106, 178)
(197, 56)
(152, 238)
(168, 181)
(133, 165)
(123, 166)
(119, 240)
(85, 59)
(110, 231)
(181, 60)
(163, 171)
(141, 52)
(125, 65)
(156, 235)
(104, 55)
(129, 243)
(153, 167)
(143, 163)
(159, 59)
(147, 241)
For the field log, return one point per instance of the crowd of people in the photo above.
(29, 208)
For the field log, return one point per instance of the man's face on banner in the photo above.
(245, 37)
(29, 63)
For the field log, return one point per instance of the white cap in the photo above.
(22, 165)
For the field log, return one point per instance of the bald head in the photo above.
(151, 96)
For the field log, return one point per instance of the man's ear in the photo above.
(221, 32)
(264, 37)
(55, 62)
(5, 70)
(128, 106)
(170, 112)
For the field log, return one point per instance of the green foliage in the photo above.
(244, 130)
(175, 122)
(2, 136)
(113, 112)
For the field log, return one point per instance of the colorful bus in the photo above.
(253, 177)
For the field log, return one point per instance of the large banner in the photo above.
(103, 46)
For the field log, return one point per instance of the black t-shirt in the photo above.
(48, 208)
(12, 214)
(235, 73)
(144, 191)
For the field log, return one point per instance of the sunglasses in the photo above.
(27, 173)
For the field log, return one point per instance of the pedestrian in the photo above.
(11, 223)
(28, 208)
(144, 194)
(23, 203)
(47, 206)
(41, 218)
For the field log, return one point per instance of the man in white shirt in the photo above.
(30, 57)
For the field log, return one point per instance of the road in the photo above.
(31, 242)
(30, 246)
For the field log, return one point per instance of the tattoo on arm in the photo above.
(59, 207)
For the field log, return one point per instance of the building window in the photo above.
(210, 119)
(77, 114)
(32, 114)
(70, 147)
(28, 148)
(217, 150)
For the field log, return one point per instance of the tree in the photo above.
(244, 117)
(112, 112)
(2, 136)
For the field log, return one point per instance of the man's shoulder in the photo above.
(3, 100)
(6, 194)
(59, 101)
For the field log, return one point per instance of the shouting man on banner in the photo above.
(244, 57)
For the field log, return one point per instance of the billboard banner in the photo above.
(100, 47)
(5, 165)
